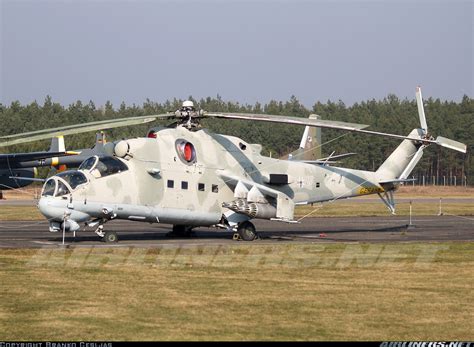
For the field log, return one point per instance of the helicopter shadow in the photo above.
(152, 235)
(164, 234)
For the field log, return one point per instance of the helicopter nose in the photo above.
(49, 211)
(56, 209)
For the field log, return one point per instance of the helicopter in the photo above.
(187, 176)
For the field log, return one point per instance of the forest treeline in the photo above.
(450, 119)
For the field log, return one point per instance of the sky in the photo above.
(245, 51)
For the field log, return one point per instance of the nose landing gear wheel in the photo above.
(246, 231)
(110, 237)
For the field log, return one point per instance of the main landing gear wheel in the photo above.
(246, 231)
(110, 237)
(181, 231)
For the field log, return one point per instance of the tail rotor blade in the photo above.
(451, 144)
(421, 110)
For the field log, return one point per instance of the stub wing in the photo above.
(254, 192)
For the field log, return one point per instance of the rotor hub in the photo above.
(188, 116)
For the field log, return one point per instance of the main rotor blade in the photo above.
(106, 123)
(289, 120)
(358, 128)
(440, 141)
(77, 128)
(421, 110)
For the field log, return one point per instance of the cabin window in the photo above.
(215, 188)
(88, 163)
(170, 184)
(184, 185)
(201, 187)
(109, 166)
(103, 166)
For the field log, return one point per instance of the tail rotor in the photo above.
(440, 140)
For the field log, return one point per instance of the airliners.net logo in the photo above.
(427, 344)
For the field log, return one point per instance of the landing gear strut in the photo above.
(106, 236)
(100, 230)
(246, 231)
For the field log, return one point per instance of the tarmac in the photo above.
(35, 234)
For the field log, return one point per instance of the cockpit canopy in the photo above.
(73, 178)
(62, 183)
(103, 166)
(67, 181)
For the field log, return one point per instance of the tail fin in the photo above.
(100, 141)
(403, 160)
(57, 144)
(396, 168)
(310, 145)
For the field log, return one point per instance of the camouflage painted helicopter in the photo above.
(187, 176)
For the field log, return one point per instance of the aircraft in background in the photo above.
(18, 170)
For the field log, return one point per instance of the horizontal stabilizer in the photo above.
(399, 180)
(326, 160)
(318, 162)
(451, 144)
(338, 156)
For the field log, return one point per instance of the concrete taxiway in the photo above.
(33, 234)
